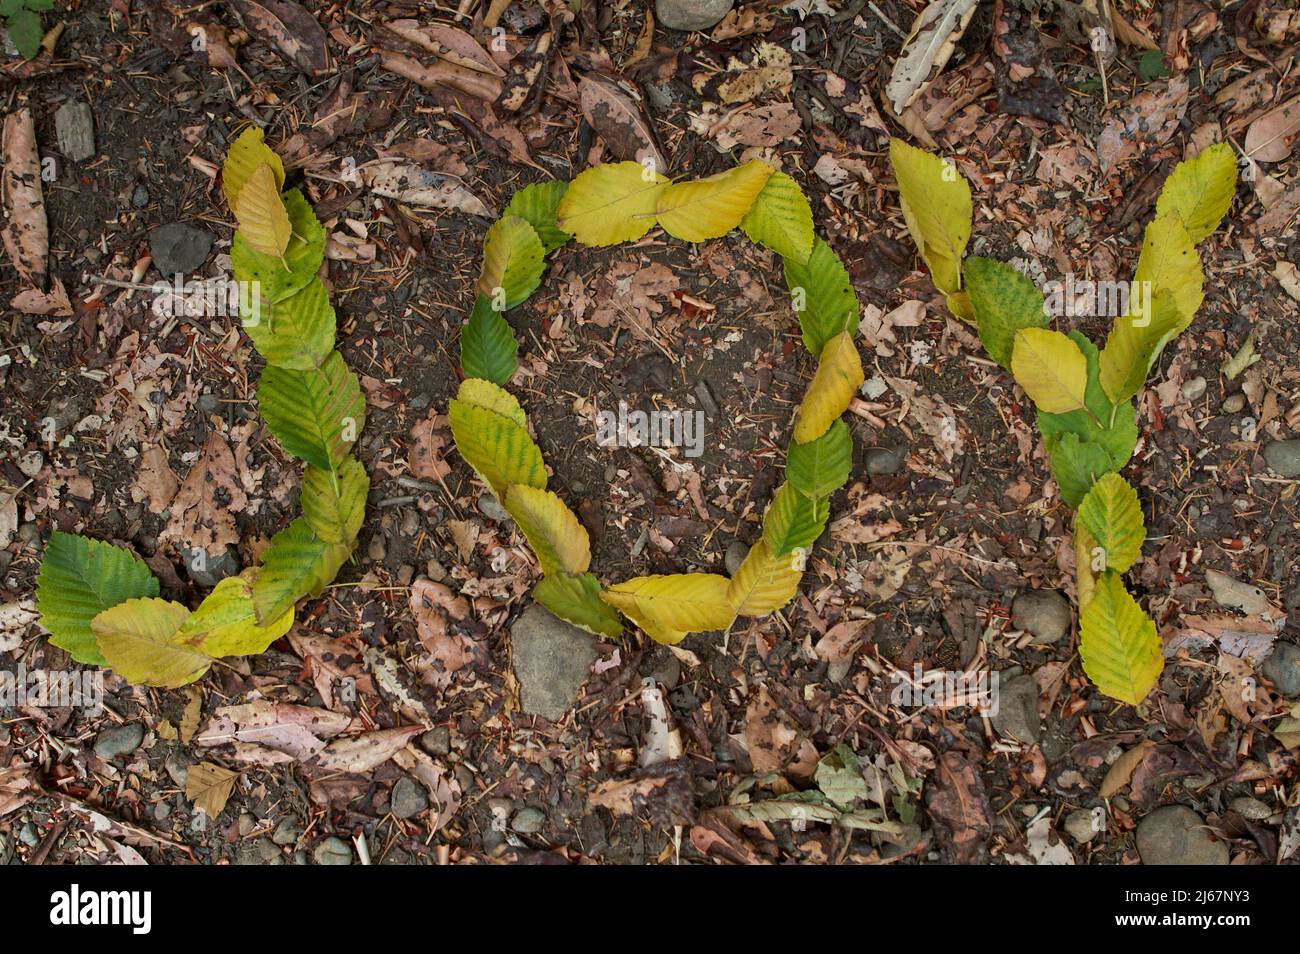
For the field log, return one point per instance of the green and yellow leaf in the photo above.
(670, 607)
(1200, 190)
(709, 208)
(1085, 576)
(764, 582)
(1112, 514)
(1169, 261)
(1118, 644)
(1051, 369)
(1004, 301)
(303, 257)
(317, 414)
(576, 599)
(793, 521)
(334, 501)
(781, 219)
(296, 564)
(294, 332)
(247, 153)
(839, 375)
(552, 529)
(537, 204)
(936, 203)
(609, 204)
(135, 638)
(822, 287)
(498, 448)
(1134, 344)
(263, 219)
(513, 261)
(498, 400)
(225, 624)
(821, 467)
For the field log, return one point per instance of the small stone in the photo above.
(489, 507)
(332, 851)
(1080, 826)
(287, 832)
(268, 851)
(1233, 403)
(140, 197)
(210, 569)
(1176, 835)
(408, 798)
(119, 740)
(1194, 389)
(1045, 614)
(247, 824)
(437, 741)
(1252, 809)
(1283, 457)
(28, 835)
(689, 15)
(552, 660)
(177, 767)
(1282, 667)
(162, 811)
(528, 821)
(737, 550)
(74, 129)
(884, 461)
(178, 248)
(1016, 712)
(30, 534)
(377, 549)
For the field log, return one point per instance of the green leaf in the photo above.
(537, 204)
(1135, 343)
(79, 579)
(1004, 302)
(296, 564)
(781, 219)
(488, 348)
(821, 467)
(822, 286)
(1199, 191)
(316, 414)
(577, 600)
(936, 204)
(498, 448)
(303, 256)
(26, 33)
(294, 332)
(225, 624)
(136, 640)
(793, 521)
(334, 502)
(1118, 643)
(513, 261)
(1076, 465)
(1151, 66)
(1112, 514)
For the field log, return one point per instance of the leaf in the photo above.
(1169, 261)
(208, 787)
(1004, 301)
(711, 207)
(821, 467)
(830, 306)
(263, 219)
(537, 205)
(552, 529)
(1076, 465)
(488, 348)
(793, 521)
(247, 153)
(1200, 190)
(936, 204)
(294, 332)
(576, 599)
(1118, 643)
(839, 375)
(25, 32)
(79, 579)
(764, 582)
(1134, 344)
(929, 45)
(781, 219)
(1113, 517)
(669, 607)
(303, 257)
(498, 448)
(136, 640)
(513, 260)
(296, 564)
(334, 502)
(1051, 369)
(609, 204)
(1084, 575)
(316, 414)
(287, 27)
(1269, 138)
(225, 624)
(487, 395)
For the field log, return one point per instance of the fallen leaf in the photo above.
(287, 28)
(208, 787)
(26, 232)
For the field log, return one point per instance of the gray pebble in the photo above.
(287, 832)
(528, 821)
(1176, 835)
(332, 851)
(884, 461)
(1081, 826)
(491, 508)
(737, 550)
(119, 740)
(408, 798)
(1233, 403)
(179, 249)
(1282, 667)
(437, 741)
(1045, 614)
(1251, 809)
(1017, 709)
(1283, 457)
(689, 15)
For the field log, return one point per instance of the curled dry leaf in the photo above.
(619, 121)
(287, 28)
(447, 43)
(26, 232)
(442, 73)
(413, 185)
(362, 753)
(929, 46)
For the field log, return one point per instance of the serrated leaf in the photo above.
(537, 205)
(79, 579)
(821, 467)
(513, 260)
(781, 219)
(225, 623)
(25, 32)
(793, 521)
(576, 599)
(709, 208)
(485, 394)
(1118, 643)
(1004, 301)
(136, 640)
(552, 529)
(1200, 190)
(1134, 344)
(294, 332)
(247, 153)
(936, 204)
(334, 502)
(263, 219)
(1084, 575)
(1076, 465)
(1169, 261)
(303, 256)
(830, 305)
(672, 606)
(839, 375)
(764, 582)
(498, 448)
(609, 204)
(1113, 516)
(296, 564)
(488, 349)
(316, 414)
(1051, 369)
(208, 787)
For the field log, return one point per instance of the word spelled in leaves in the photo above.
(101, 603)
(1083, 395)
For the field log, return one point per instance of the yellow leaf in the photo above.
(712, 207)
(136, 639)
(670, 607)
(1051, 369)
(247, 153)
(1169, 261)
(1200, 190)
(552, 529)
(225, 624)
(1118, 644)
(492, 397)
(263, 219)
(1134, 343)
(499, 449)
(609, 204)
(936, 204)
(765, 582)
(839, 375)
(1085, 576)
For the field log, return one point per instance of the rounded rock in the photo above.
(1176, 835)
(691, 15)
(1045, 614)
